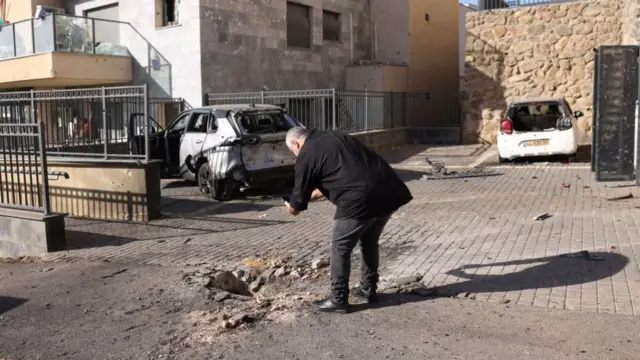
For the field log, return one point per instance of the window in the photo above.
(213, 124)
(198, 123)
(180, 123)
(331, 28)
(298, 25)
(166, 13)
(265, 123)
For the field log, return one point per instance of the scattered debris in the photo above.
(587, 187)
(534, 177)
(262, 216)
(582, 255)
(256, 285)
(408, 280)
(320, 263)
(234, 321)
(260, 264)
(268, 274)
(542, 217)
(456, 175)
(19, 260)
(187, 240)
(239, 273)
(613, 247)
(226, 281)
(566, 186)
(221, 296)
(437, 166)
(505, 301)
(281, 272)
(46, 270)
(114, 274)
(623, 197)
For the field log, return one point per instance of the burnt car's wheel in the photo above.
(205, 184)
(221, 190)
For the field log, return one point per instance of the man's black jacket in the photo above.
(356, 179)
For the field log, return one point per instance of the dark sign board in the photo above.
(616, 98)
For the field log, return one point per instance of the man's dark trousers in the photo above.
(346, 234)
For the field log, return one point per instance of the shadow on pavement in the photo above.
(182, 206)
(7, 303)
(540, 273)
(409, 175)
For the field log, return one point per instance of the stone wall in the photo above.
(244, 45)
(534, 51)
(630, 35)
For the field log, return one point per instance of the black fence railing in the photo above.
(98, 123)
(23, 167)
(356, 111)
(506, 4)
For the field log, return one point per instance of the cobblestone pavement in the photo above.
(474, 235)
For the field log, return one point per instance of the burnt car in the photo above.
(538, 127)
(223, 147)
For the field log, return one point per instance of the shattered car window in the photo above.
(265, 123)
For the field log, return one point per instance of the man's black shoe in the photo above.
(328, 305)
(369, 295)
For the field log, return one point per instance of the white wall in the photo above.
(179, 45)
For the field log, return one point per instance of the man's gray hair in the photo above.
(297, 133)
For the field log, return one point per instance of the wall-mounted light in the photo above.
(426, 17)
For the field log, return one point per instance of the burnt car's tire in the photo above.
(203, 177)
(221, 190)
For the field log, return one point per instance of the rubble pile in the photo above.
(252, 292)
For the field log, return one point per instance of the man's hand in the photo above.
(316, 195)
(291, 210)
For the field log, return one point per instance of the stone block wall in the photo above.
(534, 51)
(244, 45)
(630, 12)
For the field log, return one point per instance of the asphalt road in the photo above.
(96, 311)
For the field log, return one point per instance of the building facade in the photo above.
(186, 48)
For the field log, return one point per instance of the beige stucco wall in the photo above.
(534, 51)
(65, 69)
(433, 64)
(396, 78)
(378, 77)
(111, 191)
(391, 31)
(17, 10)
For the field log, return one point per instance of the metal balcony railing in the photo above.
(505, 4)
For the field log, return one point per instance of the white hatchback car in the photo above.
(538, 127)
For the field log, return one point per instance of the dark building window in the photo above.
(331, 28)
(166, 13)
(298, 25)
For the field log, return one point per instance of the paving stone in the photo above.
(477, 235)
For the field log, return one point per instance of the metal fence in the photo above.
(505, 4)
(23, 170)
(355, 111)
(98, 123)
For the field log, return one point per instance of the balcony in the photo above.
(65, 51)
